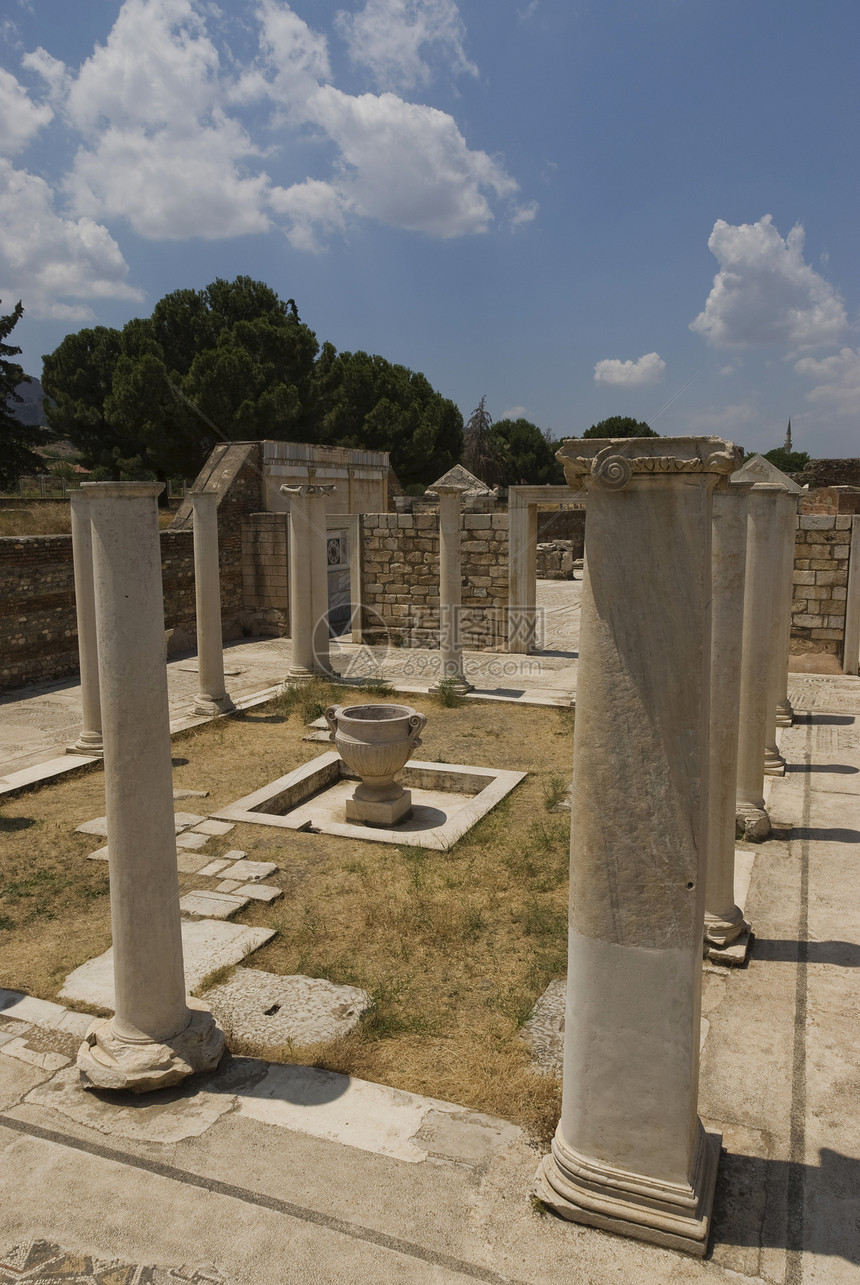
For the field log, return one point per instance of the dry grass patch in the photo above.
(454, 946)
(49, 518)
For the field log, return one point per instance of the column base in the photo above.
(733, 955)
(588, 1191)
(722, 930)
(784, 714)
(751, 823)
(106, 1061)
(211, 705)
(453, 683)
(87, 743)
(774, 763)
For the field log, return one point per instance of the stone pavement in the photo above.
(264, 1173)
(36, 723)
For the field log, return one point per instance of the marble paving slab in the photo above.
(207, 944)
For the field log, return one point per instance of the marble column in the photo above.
(762, 566)
(450, 590)
(157, 1036)
(788, 522)
(309, 632)
(522, 537)
(724, 921)
(630, 1154)
(90, 739)
(212, 695)
(851, 654)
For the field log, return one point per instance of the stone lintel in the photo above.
(612, 463)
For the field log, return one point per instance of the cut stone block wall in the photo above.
(38, 627)
(265, 570)
(400, 578)
(555, 560)
(821, 557)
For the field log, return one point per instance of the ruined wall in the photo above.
(821, 556)
(38, 627)
(265, 588)
(400, 578)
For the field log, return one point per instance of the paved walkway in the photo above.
(37, 723)
(264, 1174)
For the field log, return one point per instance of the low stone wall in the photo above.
(38, 627)
(555, 560)
(400, 578)
(821, 556)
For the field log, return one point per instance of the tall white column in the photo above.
(851, 653)
(309, 631)
(450, 589)
(156, 1036)
(758, 640)
(90, 738)
(630, 1154)
(788, 522)
(724, 921)
(522, 575)
(212, 695)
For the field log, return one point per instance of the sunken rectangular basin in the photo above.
(447, 800)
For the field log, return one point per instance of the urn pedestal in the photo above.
(375, 742)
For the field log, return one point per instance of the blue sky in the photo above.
(638, 207)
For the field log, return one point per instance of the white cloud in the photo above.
(514, 412)
(20, 118)
(408, 165)
(649, 369)
(840, 380)
(295, 58)
(172, 187)
(46, 259)
(395, 38)
(309, 205)
(765, 293)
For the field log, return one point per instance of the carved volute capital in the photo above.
(612, 463)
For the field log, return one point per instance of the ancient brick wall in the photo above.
(265, 589)
(400, 578)
(821, 556)
(38, 627)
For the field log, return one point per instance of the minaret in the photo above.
(788, 437)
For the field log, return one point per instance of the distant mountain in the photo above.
(30, 411)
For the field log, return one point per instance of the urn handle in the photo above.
(330, 716)
(417, 723)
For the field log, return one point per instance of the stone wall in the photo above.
(400, 578)
(821, 556)
(38, 627)
(265, 570)
(555, 559)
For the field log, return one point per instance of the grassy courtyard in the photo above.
(453, 946)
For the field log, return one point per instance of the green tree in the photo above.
(788, 461)
(527, 457)
(16, 439)
(77, 378)
(620, 426)
(363, 401)
(481, 452)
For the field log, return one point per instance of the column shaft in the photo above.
(309, 637)
(630, 1153)
(90, 739)
(784, 712)
(724, 921)
(450, 589)
(523, 572)
(212, 695)
(154, 1037)
(756, 689)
